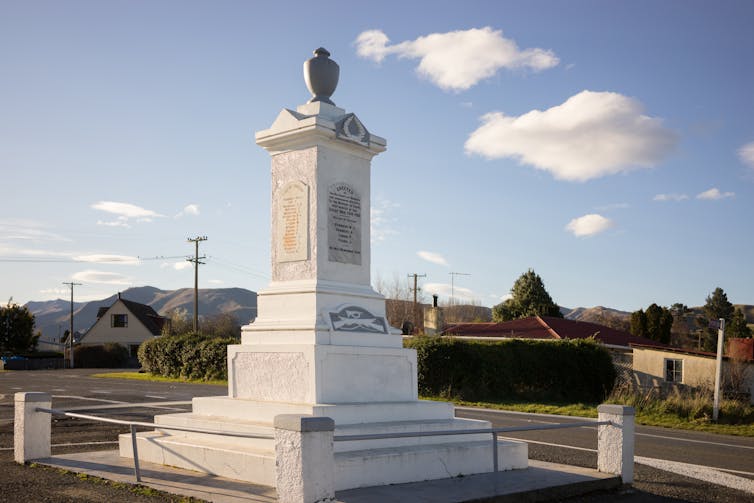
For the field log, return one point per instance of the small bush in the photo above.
(513, 369)
(109, 355)
(192, 356)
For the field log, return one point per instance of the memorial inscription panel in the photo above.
(343, 224)
(292, 222)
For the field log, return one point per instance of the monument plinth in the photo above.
(322, 345)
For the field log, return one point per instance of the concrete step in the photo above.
(216, 423)
(219, 456)
(341, 413)
(412, 463)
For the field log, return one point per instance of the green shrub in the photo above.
(192, 356)
(110, 355)
(513, 369)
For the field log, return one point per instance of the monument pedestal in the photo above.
(322, 345)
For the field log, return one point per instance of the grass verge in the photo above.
(145, 376)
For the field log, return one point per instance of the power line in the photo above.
(452, 283)
(197, 261)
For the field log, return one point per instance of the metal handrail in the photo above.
(133, 424)
(336, 438)
(493, 431)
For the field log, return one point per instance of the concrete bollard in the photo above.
(304, 458)
(31, 429)
(615, 442)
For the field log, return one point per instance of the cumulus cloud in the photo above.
(457, 60)
(670, 197)
(746, 154)
(590, 135)
(589, 225)
(714, 194)
(102, 277)
(125, 212)
(432, 257)
(189, 209)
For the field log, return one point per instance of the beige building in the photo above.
(655, 367)
(126, 323)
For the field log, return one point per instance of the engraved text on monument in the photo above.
(293, 220)
(344, 224)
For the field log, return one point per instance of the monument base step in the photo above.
(358, 463)
(341, 413)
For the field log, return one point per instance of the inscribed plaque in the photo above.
(293, 222)
(343, 224)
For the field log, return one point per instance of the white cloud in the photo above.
(101, 258)
(589, 225)
(189, 209)
(591, 135)
(102, 277)
(714, 194)
(670, 197)
(179, 266)
(457, 60)
(381, 219)
(121, 222)
(746, 154)
(432, 257)
(444, 291)
(216, 282)
(613, 206)
(124, 209)
(29, 230)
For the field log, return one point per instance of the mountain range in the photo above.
(52, 317)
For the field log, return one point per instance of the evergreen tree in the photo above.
(639, 323)
(716, 306)
(529, 298)
(737, 326)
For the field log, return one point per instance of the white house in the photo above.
(126, 323)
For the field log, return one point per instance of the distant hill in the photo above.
(52, 317)
(613, 318)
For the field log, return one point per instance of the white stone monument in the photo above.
(321, 345)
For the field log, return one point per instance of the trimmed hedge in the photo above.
(191, 356)
(106, 356)
(514, 369)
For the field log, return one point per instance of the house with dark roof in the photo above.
(126, 323)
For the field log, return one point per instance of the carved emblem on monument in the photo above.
(351, 128)
(293, 222)
(357, 319)
(343, 224)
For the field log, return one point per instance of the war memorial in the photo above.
(322, 395)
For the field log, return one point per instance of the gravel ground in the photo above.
(40, 484)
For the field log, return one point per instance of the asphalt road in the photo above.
(77, 389)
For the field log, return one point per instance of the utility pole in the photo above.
(70, 330)
(196, 261)
(416, 289)
(718, 366)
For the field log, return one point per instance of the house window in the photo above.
(674, 370)
(119, 320)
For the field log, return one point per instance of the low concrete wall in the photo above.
(33, 364)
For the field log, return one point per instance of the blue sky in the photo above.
(607, 145)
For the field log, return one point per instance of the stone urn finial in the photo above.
(321, 76)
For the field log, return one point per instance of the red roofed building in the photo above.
(546, 327)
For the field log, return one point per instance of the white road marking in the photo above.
(87, 398)
(700, 472)
(102, 391)
(707, 442)
(155, 396)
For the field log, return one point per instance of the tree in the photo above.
(17, 329)
(528, 298)
(659, 323)
(716, 306)
(737, 326)
(639, 323)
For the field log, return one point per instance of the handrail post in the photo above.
(31, 429)
(494, 451)
(615, 441)
(135, 448)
